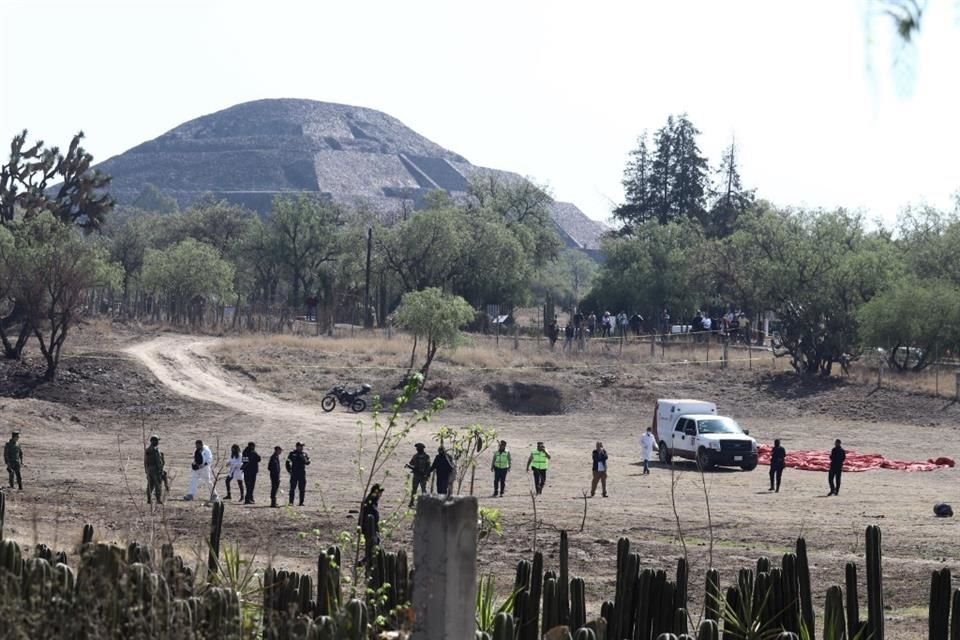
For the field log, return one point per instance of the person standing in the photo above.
(202, 471)
(370, 523)
(837, 457)
(234, 472)
(273, 468)
(539, 461)
(443, 469)
(153, 466)
(13, 458)
(648, 444)
(500, 468)
(778, 460)
(420, 466)
(599, 470)
(297, 461)
(251, 466)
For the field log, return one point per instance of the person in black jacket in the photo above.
(250, 467)
(297, 461)
(370, 523)
(443, 467)
(599, 470)
(837, 456)
(778, 460)
(273, 466)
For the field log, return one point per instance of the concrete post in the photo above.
(445, 576)
(958, 385)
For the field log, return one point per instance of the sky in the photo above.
(826, 111)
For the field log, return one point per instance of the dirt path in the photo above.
(184, 364)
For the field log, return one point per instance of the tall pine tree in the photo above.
(730, 199)
(637, 187)
(689, 172)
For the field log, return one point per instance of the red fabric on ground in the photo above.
(820, 461)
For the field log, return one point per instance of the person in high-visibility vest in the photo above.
(500, 467)
(539, 461)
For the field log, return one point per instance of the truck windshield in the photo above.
(719, 425)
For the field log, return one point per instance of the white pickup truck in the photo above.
(692, 429)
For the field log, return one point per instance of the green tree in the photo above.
(155, 201)
(52, 269)
(306, 234)
(187, 277)
(434, 317)
(730, 199)
(914, 320)
(567, 279)
(638, 188)
(425, 250)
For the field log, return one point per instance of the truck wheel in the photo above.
(749, 467)
(703, 459)
(664, 453)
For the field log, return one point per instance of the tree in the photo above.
(425, 250)
(730, 199)
(567, 279)
(689, 171)
(188, 276)
(155, 201)
(306, 235)
(637, 186)
(28, 182)
(433, 316)
(914, 320)
(52, 269)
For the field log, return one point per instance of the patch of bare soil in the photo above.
(84, 460)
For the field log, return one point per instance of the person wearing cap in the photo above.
(539, 461)
(443, 468)
(297, 461)
(500, 468)
(250, 464)
(13, 458)
(420, 466)
(202, 467)
(153, 466)
(273, 467)
(370, 523)
(837, 458)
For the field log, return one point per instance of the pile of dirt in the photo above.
(529, 399)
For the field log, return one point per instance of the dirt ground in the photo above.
(83, 438)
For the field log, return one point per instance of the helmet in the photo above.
(943, 510)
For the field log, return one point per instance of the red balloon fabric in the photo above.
(820, 461)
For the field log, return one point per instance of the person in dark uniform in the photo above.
(778, 460)
(599, 470)
(13, 458)
(420, 466)
(273, 467)
(153, 466)
(297, 461)
(443, 467)
(250, 467)
(370, 523)
(837, 456)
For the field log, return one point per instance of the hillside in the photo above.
(252, 151)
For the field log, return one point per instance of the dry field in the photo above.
(83, 439)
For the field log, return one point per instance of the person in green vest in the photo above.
(500, 468)
(13, 458)
(153, 465)
(539, 461)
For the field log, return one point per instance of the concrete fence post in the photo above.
(726, 354)
(445, 575)
(958, 385)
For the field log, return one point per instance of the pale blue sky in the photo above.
(554, 90)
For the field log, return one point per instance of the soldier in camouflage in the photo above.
(13, 458)
(153, 466)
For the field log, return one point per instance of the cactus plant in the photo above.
(834, 624)
(806, 597)
(578, 603)
(939, 617)
(853, 603)
(874, 584)
(503, 627)
(955, 617)
(551, 604)
(563, 583)
(585, 633)
(712, 595)
(216, 527)
(357, 621)
(87, 536)
(3, 511)
(708, 630)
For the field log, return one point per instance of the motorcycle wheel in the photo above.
(328, 403)
(358, 405)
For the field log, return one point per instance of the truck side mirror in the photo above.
(746, 432)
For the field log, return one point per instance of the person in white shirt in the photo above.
(202, 467)
(648, 444)
(234, 470)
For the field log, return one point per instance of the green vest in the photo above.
(501, 460)
(539, 459)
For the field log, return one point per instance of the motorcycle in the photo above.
(348, 398)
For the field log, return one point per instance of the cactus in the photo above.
(356, 622)
(628, 568)
(578, 604)
(503, 627)
(791, 597)
(939, 620)
(644, 600)
(708, 630)
(666, 636)
(874, 584)
(834, 624)
(787, 635)
(682, 572)
(216, 526)
(680, 621)
(584, 633)
(3, 511)
(853, 603)
(712, 596)
(955, 617)
(551, 604)
(806, 597)
(563, 583)
(329, 596)
(87, 537)
(530, 621)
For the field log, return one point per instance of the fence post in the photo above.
(880, 374)
(958, 386)
(653, 346)
(726, 352)
(445, 557)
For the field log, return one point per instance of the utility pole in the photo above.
(367, 319)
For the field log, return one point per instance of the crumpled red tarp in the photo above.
(820, 461)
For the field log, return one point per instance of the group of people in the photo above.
(242, 468)
(606, 326)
